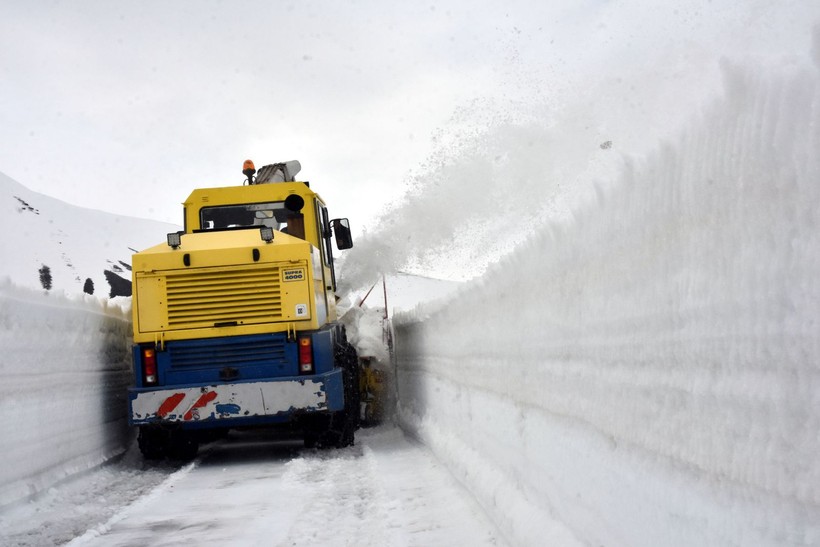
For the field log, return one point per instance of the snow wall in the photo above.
(65, 369)
(648, 373)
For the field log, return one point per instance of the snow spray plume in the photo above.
(493, 177)
(501, 167)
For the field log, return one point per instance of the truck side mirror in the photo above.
(341, 229)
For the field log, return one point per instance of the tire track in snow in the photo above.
(341, 502)
(386, 490)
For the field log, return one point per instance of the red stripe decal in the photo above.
(203, 400)
(170, 404)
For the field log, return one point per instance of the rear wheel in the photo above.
(182, 445)
(338, 429)
(311, 436)
(156, 443)
(152, 442)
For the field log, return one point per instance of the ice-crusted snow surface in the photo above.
(65, 369)
(66, 366)
(83, 501)
(386, 490)
(648, 372)
(66, 354)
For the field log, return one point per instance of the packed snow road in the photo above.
(249, 490)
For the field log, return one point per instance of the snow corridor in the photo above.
(649, 372)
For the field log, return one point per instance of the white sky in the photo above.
(127, 106)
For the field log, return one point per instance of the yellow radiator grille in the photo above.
(206, 299)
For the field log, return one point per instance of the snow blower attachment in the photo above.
(235, 321)
(278, 172)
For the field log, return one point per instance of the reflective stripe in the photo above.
(170, 404)
(203, 400)
(228, 401)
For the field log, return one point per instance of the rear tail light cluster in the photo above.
(149, 366)
(305, 355)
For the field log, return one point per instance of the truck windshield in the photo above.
(273, 214)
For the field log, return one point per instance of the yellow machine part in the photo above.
(211, 197)
(373, 389)
(227, 283)
(230, 282)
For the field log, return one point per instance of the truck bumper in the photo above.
(267, 400)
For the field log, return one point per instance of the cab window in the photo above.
(222, 217)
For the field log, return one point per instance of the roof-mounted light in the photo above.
(174, 240)
(248, 169)
(267, 233)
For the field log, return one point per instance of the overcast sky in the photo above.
(127, 106)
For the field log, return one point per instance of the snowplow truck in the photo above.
(235, 321)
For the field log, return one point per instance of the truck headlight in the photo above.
(174, 240)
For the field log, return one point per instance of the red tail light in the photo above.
(305, 355)
(149, 366)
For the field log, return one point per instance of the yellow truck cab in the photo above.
(235, 319)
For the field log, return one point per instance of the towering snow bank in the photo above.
(65, 364)
(649, 373)
(65, 370)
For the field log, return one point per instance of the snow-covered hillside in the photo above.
(48, 241)
(66, 353)
(648, 372)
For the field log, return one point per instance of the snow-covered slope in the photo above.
(66, 360)
(648, 372)
(65, 369)
(75, 244)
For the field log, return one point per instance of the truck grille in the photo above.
(239, 297)
(236, 351)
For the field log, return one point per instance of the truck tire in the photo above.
(345, 423)
(182, 446)
(338, 429)
(152, 442)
